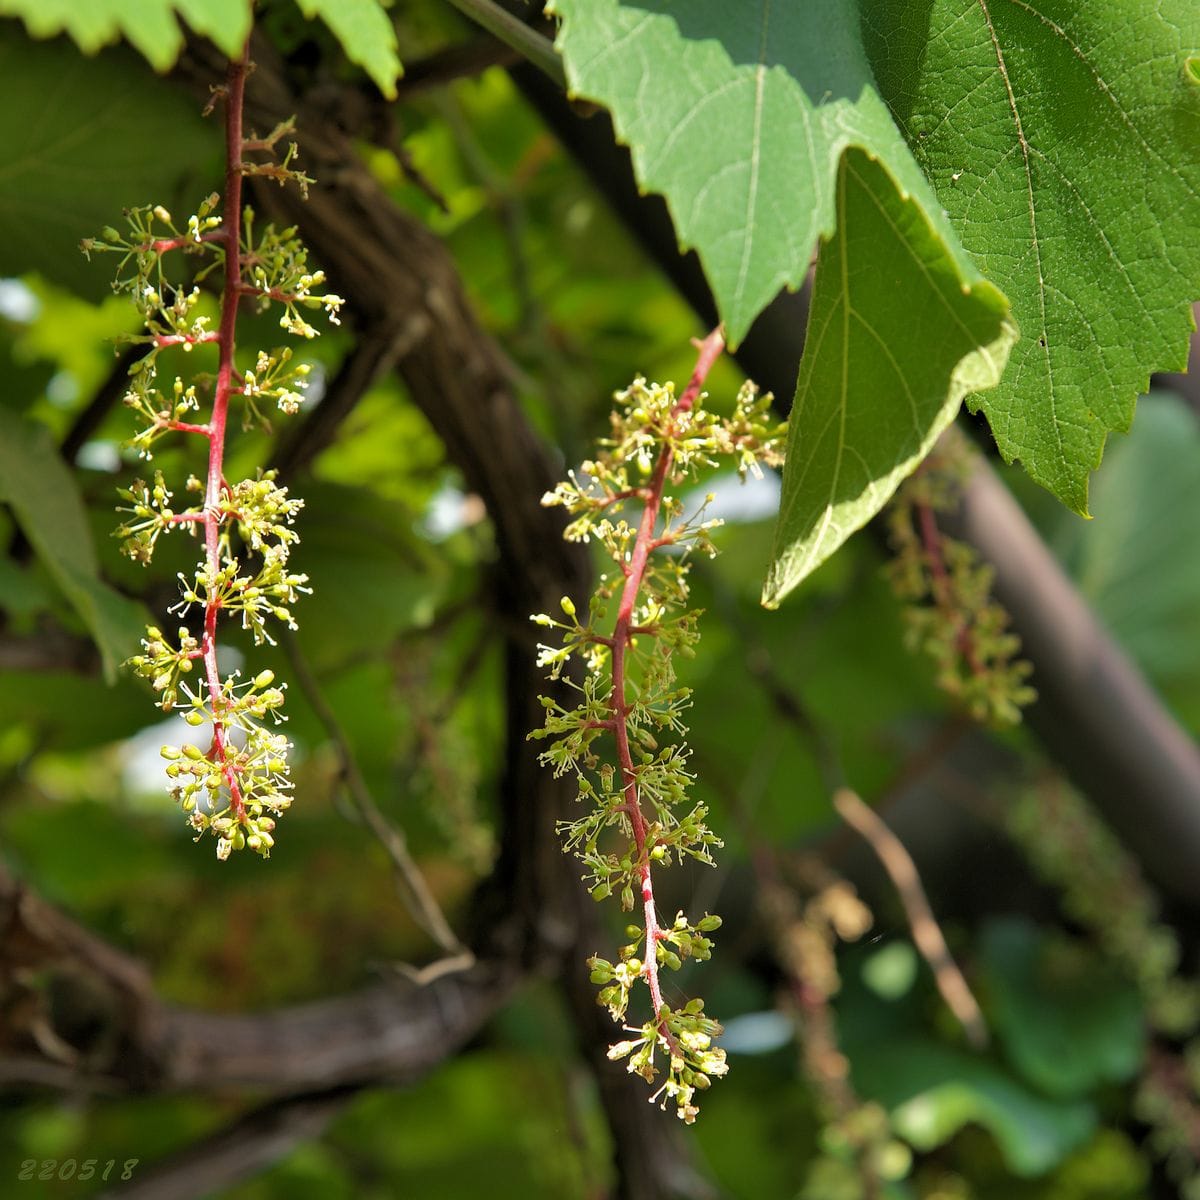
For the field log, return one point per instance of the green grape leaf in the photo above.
(150, 26)
(880, 379)
(362, 27)
(226, 23)
(1136, 564)
(739, 115)
(21, 592)
(45, 502)
(933, 1090)
(365, 33)
(73, 155)
(1067, 1022)
(1064, 141)
(1066, 159)
(372, 576)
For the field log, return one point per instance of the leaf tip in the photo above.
(770, 593)
(777, 585)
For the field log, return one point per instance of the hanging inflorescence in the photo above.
(623, 738)
(237, 781)
(949, 612)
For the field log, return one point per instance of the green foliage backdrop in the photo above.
(1001, 200)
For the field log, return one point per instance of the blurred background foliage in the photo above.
(1064, 1105)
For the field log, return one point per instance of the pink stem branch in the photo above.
(231, 233)
(931, 540)
(709, 351)
(164, 245)
(184, 339)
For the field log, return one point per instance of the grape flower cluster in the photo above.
(236, 781)
(622, 737)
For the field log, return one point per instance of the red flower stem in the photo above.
(184, 339)
(616, 497)
(709, 351)
(163, 245)
(231, 234)
(931, 539)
